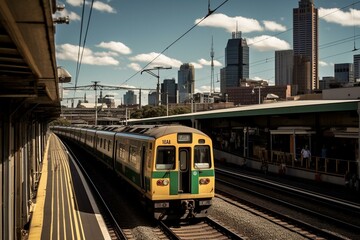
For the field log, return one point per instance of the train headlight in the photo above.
(162, 182)
(204, 181)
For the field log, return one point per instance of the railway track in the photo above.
(207, 228)
(297, 201)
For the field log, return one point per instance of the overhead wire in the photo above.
(82, 48)
(326, 45)
(210, 12)
(320, 47)
(80, 38)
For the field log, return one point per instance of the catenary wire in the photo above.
(176, 40)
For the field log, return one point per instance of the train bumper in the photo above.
(181, 209)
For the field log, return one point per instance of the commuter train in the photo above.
(170, 166)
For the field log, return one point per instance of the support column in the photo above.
(358, 154)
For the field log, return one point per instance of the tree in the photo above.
(149, 111)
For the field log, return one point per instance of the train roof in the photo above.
(152, 130)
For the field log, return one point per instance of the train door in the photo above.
(143, 164)
(184, 169)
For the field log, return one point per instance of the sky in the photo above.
(118, 39)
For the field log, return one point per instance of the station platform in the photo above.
(65, 207)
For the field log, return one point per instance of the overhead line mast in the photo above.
(212, 84)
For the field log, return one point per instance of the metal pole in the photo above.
(259, 95)
(167, 104)
(158, 90)
(96, 116)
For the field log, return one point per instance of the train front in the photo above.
(183, 177)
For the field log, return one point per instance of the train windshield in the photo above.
(202, 157)
(165, 159)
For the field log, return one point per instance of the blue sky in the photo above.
(124, 36)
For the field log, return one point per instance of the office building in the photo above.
(305, 43)
(152, 98)
(344, 73)
(186, 82)
(130, 98)
(168, 91)
(357, 68)
(236, 63)
(284, 65)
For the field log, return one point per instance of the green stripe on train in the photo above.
(166, 174)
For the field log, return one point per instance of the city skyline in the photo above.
(139, 34)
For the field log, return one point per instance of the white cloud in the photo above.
(197, 65)
(64, 13)
(337, 16)
(75, 3)
(100, 6)
(267, 43)
(243, 24)
(115, 46)
(208, 63)
(323, 64)
(103, 7)
(70, 52)
(135, 66)
(229, 23)
(273, 26)
(161, 60)
(106, 54)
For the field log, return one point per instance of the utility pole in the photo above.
(212, 54)
(96, 101)
(149, 71)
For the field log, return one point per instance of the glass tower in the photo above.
(236, 62)
(305, 41)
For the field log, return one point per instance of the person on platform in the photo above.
(306, 155)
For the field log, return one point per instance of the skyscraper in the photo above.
(236, 62)
(168, 91)
(357, 68)
(130, 98)
(186, 82)
(305, 41)
(284, 63)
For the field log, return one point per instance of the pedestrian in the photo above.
(306, 155)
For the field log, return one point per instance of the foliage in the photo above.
(60, 122)
(149, 111)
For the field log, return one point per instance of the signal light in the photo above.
(204, 181)
(162, 182)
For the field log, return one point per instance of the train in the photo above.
(171, 167)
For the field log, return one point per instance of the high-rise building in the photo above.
(130, 98)
(284, 65)
(152, 98)
(305, 42)
(236, 62)
(357, 68)
(186, 82)
(344, 73)
(168, 91)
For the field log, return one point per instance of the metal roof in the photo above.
(277, 108)
(28, 70)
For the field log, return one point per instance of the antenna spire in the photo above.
(212, 86)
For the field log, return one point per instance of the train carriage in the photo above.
(170, 166)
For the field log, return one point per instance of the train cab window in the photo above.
(165, 159)
(183, 157)
(202, 158)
